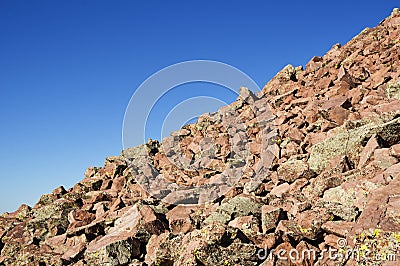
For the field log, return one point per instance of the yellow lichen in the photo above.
(396, 236)
(305, 230)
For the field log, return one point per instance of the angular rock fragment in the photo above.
(269, 217)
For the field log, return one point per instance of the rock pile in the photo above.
(308, 166)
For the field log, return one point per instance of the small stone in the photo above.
(339, 115)
(247, 224)
(339, 228)
(307, 254)
(332, 241)
(255, 148)
(58, 192)
(294, 169)
(278, 191)
(395, 151)
(344, 76)
(311, 221)
(314, 64)
(248, 96)
(90, 172)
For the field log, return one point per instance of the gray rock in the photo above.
(120, 252)
(393, 90)
(248, 96)
(346, 141)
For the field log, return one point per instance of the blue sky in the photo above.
(68, 69)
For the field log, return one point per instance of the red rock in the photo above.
(100, 209)
(295, 134)
(136, 191)
(74, 246)
(315, 138)
(297, 185)
(106, 184)
(80, 215)
(56, 242)
(379, 77)
(332, 240)
(392, 107)
(292, 148)
(375, 212)
(117, 204)
(92, 184)
(154, 248)
(341, 88)
(23, 212)
(58, 192)
(280, 190)
(393, 208)
(247, 224)
(327, 126)
(300, 101)
(118, 183)
(90, 172)
(311, 114)
(264, 241)
(314, 64)
(356, 95)
(372, 100)
(280, 119)
(333, 102)
(307, 254)
(282, 253)
(368, 151)
(339, 228)
(255, 148)
(338, 115)
(323, 85)
(180, 220)
(344, 76)
(311, 221)
(109, 170)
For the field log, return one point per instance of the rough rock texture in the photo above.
(315, 167)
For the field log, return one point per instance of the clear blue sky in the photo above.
(68, 68)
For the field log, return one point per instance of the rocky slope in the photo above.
(308, 168)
